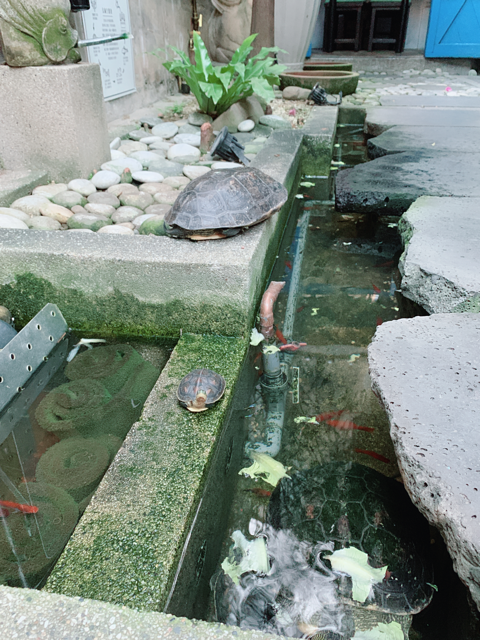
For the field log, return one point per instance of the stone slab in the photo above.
(440, 266)
(319, 133)
(443, 102)
(430, 139)
(379, 119)
(426, 373)
(128, 554)
(389, 185)
(52, 119)
(150, 285)
(16, 184)
(61, 618)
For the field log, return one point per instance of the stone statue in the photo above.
(229, 26)
(37, 32)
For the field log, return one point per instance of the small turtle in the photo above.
(223, 202)
(200, 389)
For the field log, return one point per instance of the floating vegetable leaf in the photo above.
(245, 555)
(383, 631)
(271, 349)
(256, 337)
(307, 184)
(299, 196)
(305, 419)
(315, 311)
(266, 467)
(434, 586)
(392, 225)
(354, 562)
(353, 357)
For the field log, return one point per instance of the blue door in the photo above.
(454, 29)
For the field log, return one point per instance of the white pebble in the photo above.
(246, 125)
(81, 186)
(105, 179)
(147, 176)
(116, 229)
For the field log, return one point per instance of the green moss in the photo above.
(126, 547)
(120, 314)
(406, 230)
(317, 155)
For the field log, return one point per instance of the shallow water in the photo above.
(62, 444)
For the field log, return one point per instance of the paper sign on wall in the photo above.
(111, 18)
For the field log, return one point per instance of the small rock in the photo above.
(246, 109)
(30, 204)
(275, 122)
(42, 223)
(188, 130)
(160, 146)
(116, 229)
(428, 72)
(137, 134)
(151, 139)
(49, 190)
(262, 130)
(115, 143)
(167, 168)
(147, 176)
(153, 187)
(165, 130)
(69, 199)
(56, 212)
(197, 119)
(183, 153)
(153, 226)
(105, 179)
(187, 138)
(119, 189)
(126, 214)
(80, 230)
(105, 210)
(119, 166)
(129, 225)
(87, 221)
(84, 187)
(151, 121)
(104, 198)
(129, 146)
(79, 209)
(156, 210)
(141, 219)
(141, 200)
(160, 153)
(176, 182)
(193, 171)
(226, 165)
(145, 157)
(472, 72)
(246, 125)
(115, 154)
(168, 197)
(19, 215)
(295, 93)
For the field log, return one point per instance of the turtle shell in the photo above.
(226, 199)
(352, 505)
(198, 381)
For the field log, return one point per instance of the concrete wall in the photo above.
(155, 23)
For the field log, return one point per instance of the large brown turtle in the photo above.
(223, 202)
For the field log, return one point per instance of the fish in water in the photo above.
(347, 425)
(329, 415)
(22, 508)
(280, 336)
(373, 454)
(379, 321)
(261, 493)
(288, 264)
(376, 289)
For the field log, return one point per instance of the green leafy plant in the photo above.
(217, 88)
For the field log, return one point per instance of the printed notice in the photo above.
(111, 18)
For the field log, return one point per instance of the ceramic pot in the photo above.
(294, 24)
(332, 81)
(327, 66)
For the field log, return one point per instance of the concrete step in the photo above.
(379, 119)
(433, 140)
(15, 184)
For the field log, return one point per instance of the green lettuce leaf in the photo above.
(354, 563)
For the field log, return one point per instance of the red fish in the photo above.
(280, 336)
(373, 454)
(379, 321)
(329, 415)
(309, 511)
(385, 264)
(376, 289)
(300, 309)
(288, 264)
(347, 424)
(23, 508)
(261, 493)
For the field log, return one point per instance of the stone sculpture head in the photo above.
(229, 26)
(37, 32)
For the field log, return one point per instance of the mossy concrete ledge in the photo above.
(148, 285)
(319, 136)
(27, 614)
(128, 544)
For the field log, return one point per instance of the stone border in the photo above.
(147, 285)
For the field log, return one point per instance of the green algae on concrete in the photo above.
(27, 613)
(319, 135)
(127, 545)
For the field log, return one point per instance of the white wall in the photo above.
(417, 24)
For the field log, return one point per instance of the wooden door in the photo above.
(454, 29)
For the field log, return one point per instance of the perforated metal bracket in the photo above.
(27, 363)
(295, 384)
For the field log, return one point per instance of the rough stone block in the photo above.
(15, 184)
(379, 119)
(52, 118)
(432, 140)
(426, 372)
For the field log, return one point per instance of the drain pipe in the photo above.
(274, 381)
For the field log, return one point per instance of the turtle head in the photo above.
(199, 403)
